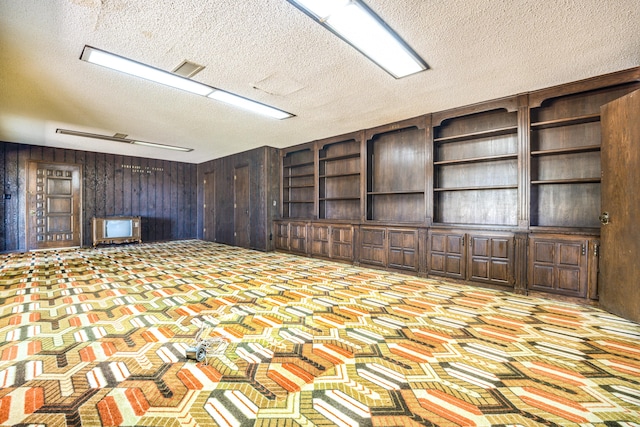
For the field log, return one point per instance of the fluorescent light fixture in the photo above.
(121, 139)
(355, 23)
(138, 69)
(247, 104)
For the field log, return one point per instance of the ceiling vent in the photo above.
(188, 69)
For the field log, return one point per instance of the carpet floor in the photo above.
(98, 337)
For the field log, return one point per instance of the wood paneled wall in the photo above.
(162, 192)
(264, 193)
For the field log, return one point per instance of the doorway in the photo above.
(54, 201)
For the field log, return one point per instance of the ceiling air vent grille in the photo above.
(188, 69)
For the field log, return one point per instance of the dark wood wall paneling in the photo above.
(162, 192)
(264, 190)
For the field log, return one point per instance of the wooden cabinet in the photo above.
(332, 241)
(319, 244)
(446, 254)
(390, 247)
(342, 242)
(339, 178)
(396, 172)
(558, 265)
(281, 229)
(291, 236)
(504, 192)
(298, 184)
(476, 167)
(373, 246)
(475, 256)
(491, 259)
(116, 229)
(565, 157)
(403, 249)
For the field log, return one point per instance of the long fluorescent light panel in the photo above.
(138, 69)
(355, 23)
(123, 140)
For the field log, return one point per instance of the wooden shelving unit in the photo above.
(565, 160)
(475, 169)
(504, 193)
(298, 184)
(339, 179)
(395, 175)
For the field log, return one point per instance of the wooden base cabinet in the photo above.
(291, 236)
(388, 247)
(479, 257)
(341, 243)
(560, 265)
(331, 241)
(446, 254)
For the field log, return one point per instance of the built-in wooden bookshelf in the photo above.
(565, 159)
(339, 180)
(476, 169)
(396, 175)
(505, 193)
(298, 184)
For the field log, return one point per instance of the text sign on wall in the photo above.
(142, 169)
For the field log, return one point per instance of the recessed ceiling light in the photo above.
(120, 137)
(138, 69)
(355, 23)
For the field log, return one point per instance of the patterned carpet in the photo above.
(97, 337)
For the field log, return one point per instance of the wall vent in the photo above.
(188, 69)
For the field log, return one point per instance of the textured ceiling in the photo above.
(270, 51)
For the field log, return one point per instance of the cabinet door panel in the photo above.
(569, 279)
(542, 277)
(282, 236)
(491, 259)
(373, 246)
(500, 248)
(342, 243)
(320, 240)
(500, 271)
(298, 238)
(437, 263)
(543, 252)
(445, 254)
(403, 246)
(569, 254)
(479, 269)
(559, 266)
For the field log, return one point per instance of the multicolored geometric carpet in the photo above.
(97, 337)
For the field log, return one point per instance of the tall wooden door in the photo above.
(209, 214)
(242, 206)
(54, 202)
(620, 230)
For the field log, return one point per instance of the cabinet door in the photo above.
(446, 254)
(373, 244)
(282, 235)
(342, 243)
(298, 237)
(403, 247)
(558, 266)
(491, 259)
(621, 201)
(320, 240)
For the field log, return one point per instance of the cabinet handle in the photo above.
(462, 241)
(595, 249)
(584, 251)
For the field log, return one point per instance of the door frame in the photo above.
(28, 202)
